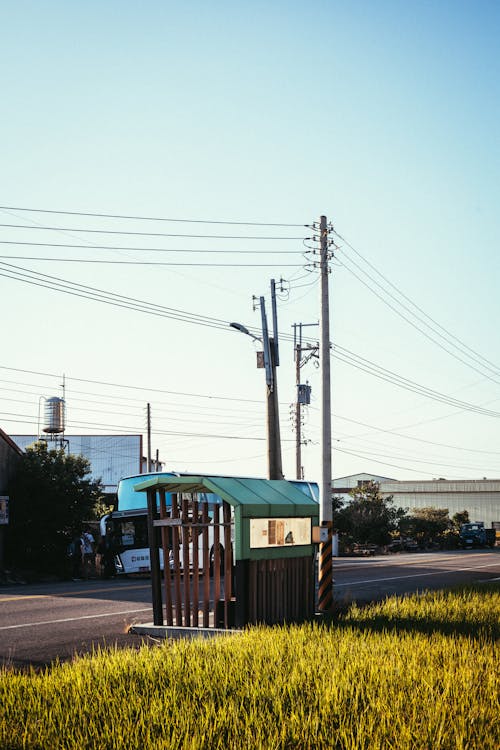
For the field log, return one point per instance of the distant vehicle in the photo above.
(125, 532)
(395, 546)
(410, 545)
(364, 549)
(475, 535)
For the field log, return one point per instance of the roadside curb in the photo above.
(176, 632)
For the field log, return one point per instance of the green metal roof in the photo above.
(261, 497)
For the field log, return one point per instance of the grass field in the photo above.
(420, 672)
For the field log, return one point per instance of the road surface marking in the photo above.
(20, 597)
(414, 575)
(73, 619)
(416, 558)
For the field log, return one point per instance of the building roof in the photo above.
(260, 497)
(10, 442)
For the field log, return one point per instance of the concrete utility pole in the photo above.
(302, 391)
(149, 435)
(298, 416)
(325, 578)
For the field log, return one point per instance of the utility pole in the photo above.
(271, 360)
(325, 578)
(149, 435)
(303, 391)
(275, 360)
(298, 416)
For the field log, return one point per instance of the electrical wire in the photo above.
(374, 455)
(149, 234)
(144, 389)
(411, 437)
(149, 249)
(113, 427)
(461, 347)
(382, 373)
(429, 317)
(152, 262)
(149, 218)
(80, 290)
(384, 463)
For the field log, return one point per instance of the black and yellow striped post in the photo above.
(325, 570)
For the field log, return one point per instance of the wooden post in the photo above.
(206, 566)
(167, 576)
(185, 562)
(177, 565)
(228, 562)
(195, 528)
(154, 561)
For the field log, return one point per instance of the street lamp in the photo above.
(244, 329)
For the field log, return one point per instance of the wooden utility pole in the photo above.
(271, 360)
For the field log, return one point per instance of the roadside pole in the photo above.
(325, 576)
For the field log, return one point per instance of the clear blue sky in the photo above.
(382, 115)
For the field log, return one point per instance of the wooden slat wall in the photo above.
(280, 590)
(189, 594)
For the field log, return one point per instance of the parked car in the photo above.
(410, 545)
(364, 549)
(395, 546)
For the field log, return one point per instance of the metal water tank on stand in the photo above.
(54, 416)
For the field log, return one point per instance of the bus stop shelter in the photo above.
(254, 558)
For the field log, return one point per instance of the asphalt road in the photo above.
(373, 578)
(44, 622)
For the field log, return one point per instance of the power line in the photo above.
(463, 348)
(411, 437)
(80, 290)
(384, 463)
(56, 283)
(146, 389)
(149, 249)
(149, 218)
(360, 363)
(148, 234)
(113, 427)
(435, 322)
(173, 407)
(374, 455)
(238, 421)
(152, 262)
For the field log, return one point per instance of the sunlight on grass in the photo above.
(363, 682)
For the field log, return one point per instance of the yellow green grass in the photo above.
(420, 672)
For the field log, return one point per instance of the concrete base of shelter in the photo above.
(175, 631)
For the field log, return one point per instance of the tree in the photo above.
(51, 497)
(426, 525)
(368, 518)
(460, 518)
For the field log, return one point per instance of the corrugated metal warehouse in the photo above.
(480, 497)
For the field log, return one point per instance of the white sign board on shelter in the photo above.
(279, 532)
